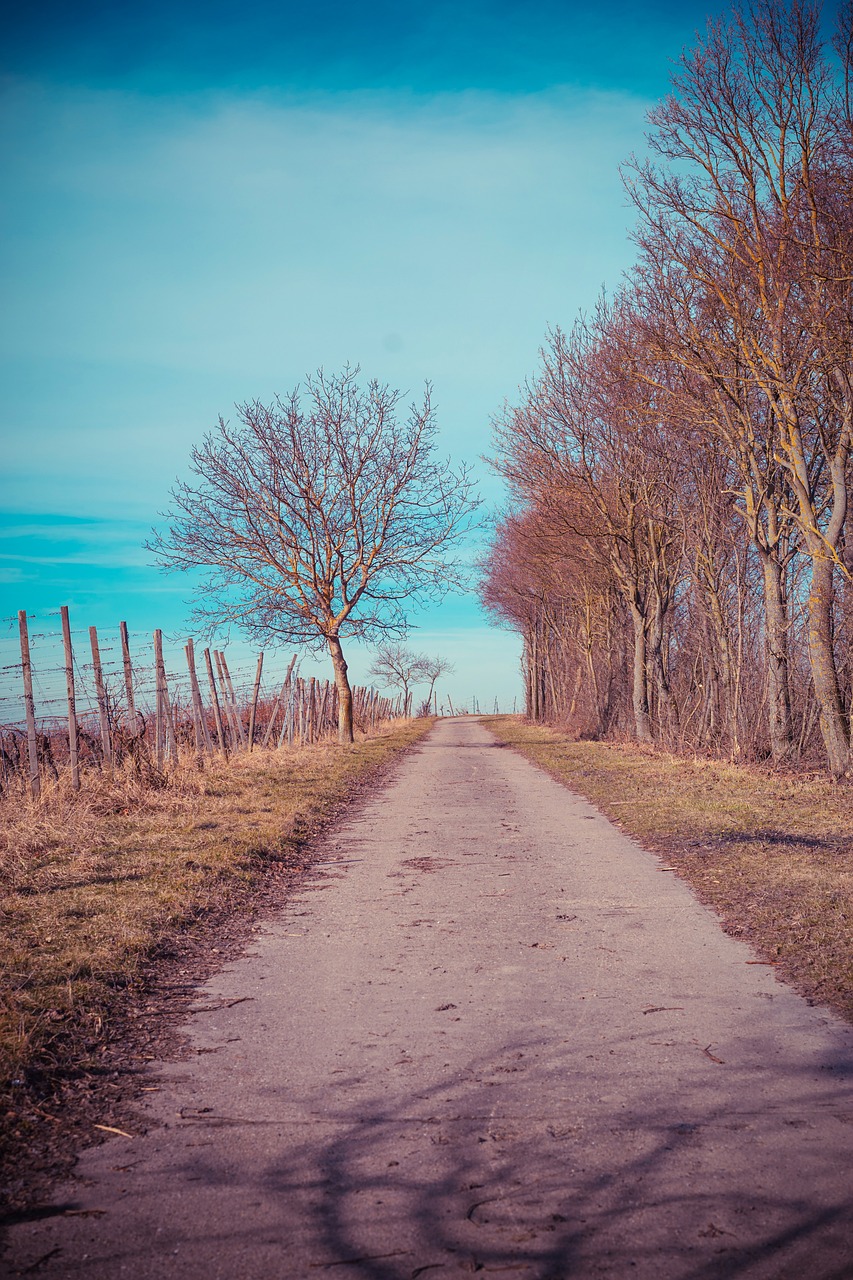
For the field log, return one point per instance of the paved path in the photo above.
(490, 1035)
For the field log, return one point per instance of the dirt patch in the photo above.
(428, 864)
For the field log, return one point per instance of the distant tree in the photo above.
(433, 670)
(397, 667)
(318, 517)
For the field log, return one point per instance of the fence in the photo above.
(135, 702)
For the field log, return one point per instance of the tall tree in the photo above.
(318, 518)
(755, 151)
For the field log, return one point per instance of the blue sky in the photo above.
(203, 203)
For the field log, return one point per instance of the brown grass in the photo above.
(771, 852)
(93, 884)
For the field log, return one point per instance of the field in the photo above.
(772, 853)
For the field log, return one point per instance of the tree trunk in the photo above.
(779, 695)
(833, 724)
(345, 732)
(640, 698)
(722, 656)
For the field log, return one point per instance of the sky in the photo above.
(202, 203)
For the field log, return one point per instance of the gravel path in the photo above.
(490, 1034)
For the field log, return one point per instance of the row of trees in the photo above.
(679, 548)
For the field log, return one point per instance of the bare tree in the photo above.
(397, 667)
(432, 670)
(751, 200)
(318, 517)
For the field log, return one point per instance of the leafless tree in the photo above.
(318, 517)
(432, 670)
(397, 667)
(681, 469)
(750, 199)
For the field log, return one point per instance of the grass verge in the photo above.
(105, 896)
(771, 853)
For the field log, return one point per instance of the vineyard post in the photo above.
(303, 711)
(312, 711)
(291, 712)
(29, 703)
(128, 678)
(219, 659)
(286, 721)
(254, 709)
(238, 719)
(282, 694)
(217, 715)
(168, 714)
(321, 716)
(101, 696)
(203, 736)
(201, 745)
(72, 699)
(165, 732)
(223, 694)
(158, 700)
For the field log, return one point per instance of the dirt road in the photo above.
(491, 1034)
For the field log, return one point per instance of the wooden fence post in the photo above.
(321, 715)
(226, 701)
(217, 715)
(72, 699)
(300, 692)
(254, 709)
(165, 735)
(158, 700)
(282, 694)
(169, 716)
(238, 719)
(202, 735)
(128, 679)
(312, 711)
(101, 696)
(29, 703)
(287, 718)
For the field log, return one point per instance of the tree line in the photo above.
(677, 552)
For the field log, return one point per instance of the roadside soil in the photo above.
(489, 1033)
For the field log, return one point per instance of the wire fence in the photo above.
(72, 700)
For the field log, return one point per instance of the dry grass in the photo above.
(772, 853)
(92, 885)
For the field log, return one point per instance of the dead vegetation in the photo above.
(95, 886)
(772, 852)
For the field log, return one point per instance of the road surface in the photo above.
(489, 1034)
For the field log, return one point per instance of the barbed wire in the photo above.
(49, 672)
